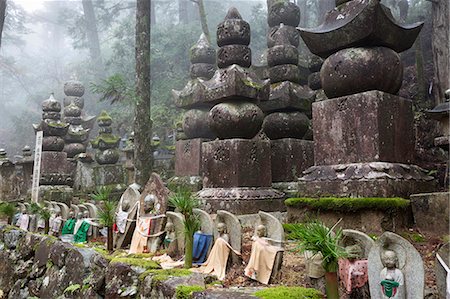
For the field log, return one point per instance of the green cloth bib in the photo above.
(68, 227)
(389, 287)
(81, 235)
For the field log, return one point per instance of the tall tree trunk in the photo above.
(142, 121)
(183, 11)
(440, 45)
(203, 20)
(92, 35)
(2, 17)
(109, 239)
(420, 75)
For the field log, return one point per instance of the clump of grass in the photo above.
(288, 293)
(185, 292)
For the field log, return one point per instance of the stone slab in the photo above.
(364, 127)
(242, 200)
(54, 162)
(376, 179)
(431, 212)
(63, 194)
(188, 157)
(236, 163)
(109, 175)
(290, 157)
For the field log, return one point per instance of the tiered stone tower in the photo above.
(56, 177)
(288, 108)
(77, 135)
(237, 167)
(188, 153)
(107, 172)
(363, 133)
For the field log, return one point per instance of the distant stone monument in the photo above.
(395, 269)
(8, 187)
(288, 108)
(363, 133)
(106, 144)
(188, 152)
(24, 169)
(55, 175)
(237, 167)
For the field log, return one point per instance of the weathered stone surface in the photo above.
(195, 124)
(188, 157)
(236, 163)
(284, 72)
(159, 194)
(109, 175)
(442, 259)
(235, 120)
(74, 88)
(202, 51)
(202, 70)
(52, 143)
(314, 81)
(234, 54)
(6, 266)
(206, 223)
(280, 125)
(241, 200)
(314, 63)
(365, 127)
(354, 70)
(376, 179)
(58, 253)
(43, 252)
(292, 33)
(431, 212)
(355, 237)
(168, 287)
(288, 96)
(234, 82)
(282, 54)
(121, 281)
(12, 238)
(409, 262)
(290, 157)
(19, 290)
(233, 30)
(284, 12)
(98, 268)
(368, 221)
(79, 101)
(359, 23)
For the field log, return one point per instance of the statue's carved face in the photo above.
(79, 215)
(149, 203)
(221, 228)
(126, 204)
(169, 227)
(86, 214)
(71, 214)
(24, 211)
(390, 259)
(261, 231)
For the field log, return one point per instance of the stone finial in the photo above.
(203, 59)
(51, 104)
(233, 30)
(106, 143)
(74, 88)
(284, 12)
(233, 14)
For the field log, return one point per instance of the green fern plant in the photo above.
(8, 210)
(106, 213)
(185, 202)
(317, 237)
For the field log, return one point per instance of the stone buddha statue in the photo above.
(222, 230)
(391, 278)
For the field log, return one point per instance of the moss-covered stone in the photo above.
(349, 204)
(288, 293)
(160, 275)
(185, 292)
(138, 262)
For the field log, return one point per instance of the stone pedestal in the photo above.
(237, 177)
(188, 157)
(371, 126)
(55, 169)
(364, 147)
(431, 212)
(110, 175)
(61, 193)
(290, 157)
(84, 177)
(236, 163)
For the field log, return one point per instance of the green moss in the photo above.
(252, 84)
(346, 204)
(141, 255)
(72, 288)
(215, 283)
(57, 124)
(185, 292)
(104, 116)
(146, 264)
(109, 139)
(289, 293)
(164, 274)
(49, 264)
(414, 237)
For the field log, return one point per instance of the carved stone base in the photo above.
(62, 194)
(375, 179)
(194, 183)
(241, 200)
(290, 157)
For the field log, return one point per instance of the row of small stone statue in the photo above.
(74, 224)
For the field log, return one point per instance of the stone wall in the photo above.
(39, 266)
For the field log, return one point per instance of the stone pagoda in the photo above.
(8, 186)
(288, 109)
(107, 172)
(55, 180)
(236, 166)
(188, 148)
(363, 133)
(78, 132)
